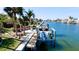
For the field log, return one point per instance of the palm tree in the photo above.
(21, 15)
(0, 31)
(12, 11)
(30, 15)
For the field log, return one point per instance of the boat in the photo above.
(46, 35)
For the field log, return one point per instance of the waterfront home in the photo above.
(68, 20)
(72, 20)
(57, 20)
(64, 20)
(77, 21)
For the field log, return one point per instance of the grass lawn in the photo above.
(9, 44)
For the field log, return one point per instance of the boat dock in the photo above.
(42, 33)
(25, 40)
(32, 42)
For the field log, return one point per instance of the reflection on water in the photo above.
(66, 36)
(61, 35)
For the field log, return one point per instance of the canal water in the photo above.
(67, 36)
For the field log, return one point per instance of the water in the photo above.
(67, 36)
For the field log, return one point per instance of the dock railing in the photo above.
(22, 45)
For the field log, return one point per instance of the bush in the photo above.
(7, 24)
(26, 23)
(34, 27)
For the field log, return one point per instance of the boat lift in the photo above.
(44, 31)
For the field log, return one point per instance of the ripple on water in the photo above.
(67, 37)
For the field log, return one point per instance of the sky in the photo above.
(52, 12)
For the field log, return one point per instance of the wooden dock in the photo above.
(25, 40)
(32, 42)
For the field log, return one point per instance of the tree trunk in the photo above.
(19, 23)
(24, 28)
(30, 20)
(23, 25)
(14, 21)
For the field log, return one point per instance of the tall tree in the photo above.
(30, 15)
(20, 13)
(12, 11)
(21, 16)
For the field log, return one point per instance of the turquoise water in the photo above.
(67, 36)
